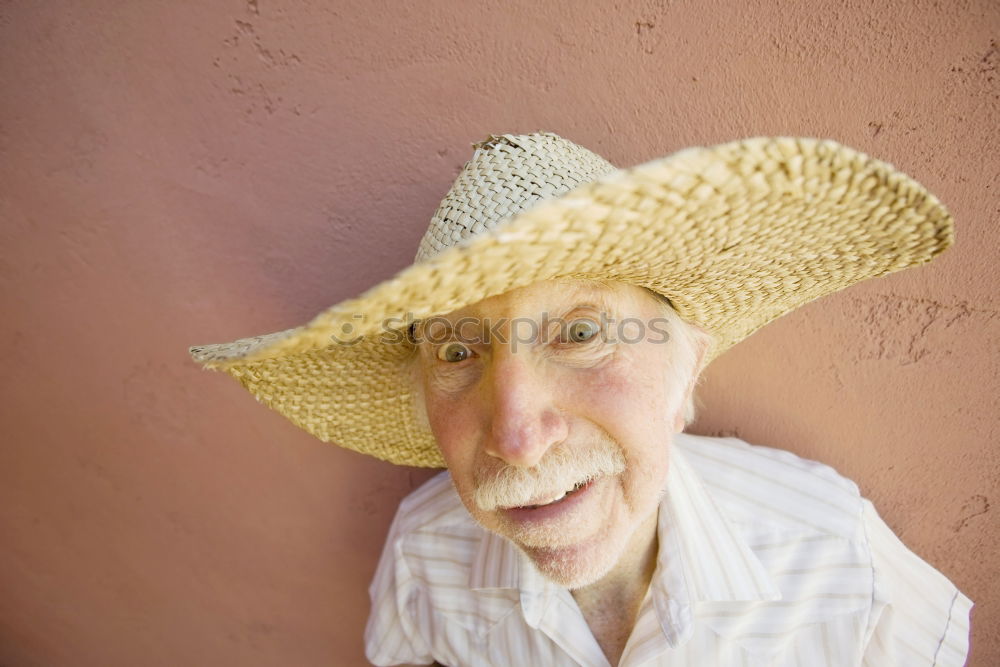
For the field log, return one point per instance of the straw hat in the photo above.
(733, 235)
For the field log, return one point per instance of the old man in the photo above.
(545, 347)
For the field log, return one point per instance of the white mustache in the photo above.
(559, 471)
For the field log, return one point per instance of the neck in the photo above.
(611, 604)
(634, 569)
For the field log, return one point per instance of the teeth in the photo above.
(576, 487)
(550, 501)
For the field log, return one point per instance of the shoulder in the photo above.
(773, 489)
(716, 456)
(801, 525)
(830, 554)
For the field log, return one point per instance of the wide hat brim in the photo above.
(734, 235)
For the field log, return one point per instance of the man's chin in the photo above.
(574, 566)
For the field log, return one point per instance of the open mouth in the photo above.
(567, 494)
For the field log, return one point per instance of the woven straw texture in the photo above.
(734, 235)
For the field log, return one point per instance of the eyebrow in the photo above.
(595, 297)
(593, 304)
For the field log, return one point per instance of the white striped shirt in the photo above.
(764, 559)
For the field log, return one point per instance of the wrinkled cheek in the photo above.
(455, 432)
(636, 411)
(647, 479)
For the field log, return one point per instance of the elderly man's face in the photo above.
(556, 425)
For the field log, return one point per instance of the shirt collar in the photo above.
(702, 556)
(499, 564)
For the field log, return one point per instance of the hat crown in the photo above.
(506, 175)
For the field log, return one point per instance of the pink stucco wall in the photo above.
(194, 172)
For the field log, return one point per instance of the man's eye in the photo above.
(581, 331)
(453, 353)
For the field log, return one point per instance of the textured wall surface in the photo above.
(183, 173)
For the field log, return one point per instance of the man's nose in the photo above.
(525, 421)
